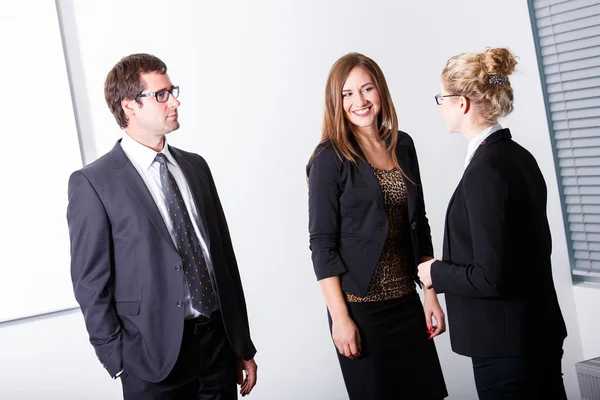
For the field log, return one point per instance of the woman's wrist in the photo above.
(430, 293)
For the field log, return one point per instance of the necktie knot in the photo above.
(161, 159)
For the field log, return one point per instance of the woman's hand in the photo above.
(425, 273)
(343, 330)
(346, 337)
(433, 309)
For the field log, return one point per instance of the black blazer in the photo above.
(347, 221)
(496, 272)
(126, 271)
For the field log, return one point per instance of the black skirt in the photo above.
(398, 361)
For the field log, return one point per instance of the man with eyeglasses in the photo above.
(152, 262)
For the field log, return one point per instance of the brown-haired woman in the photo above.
(496, 270)
(368, 231)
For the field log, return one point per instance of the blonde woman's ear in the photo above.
(465, 104)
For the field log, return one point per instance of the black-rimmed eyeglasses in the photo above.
(439, 98)
(163, 95)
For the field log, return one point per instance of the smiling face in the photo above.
(361, 101)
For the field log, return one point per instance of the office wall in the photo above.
(50, 358)
(252, 79)
(587, 298)
(40, 148)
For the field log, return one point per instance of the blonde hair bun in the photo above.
(497, 61)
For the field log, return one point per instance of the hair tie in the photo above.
(498, 80)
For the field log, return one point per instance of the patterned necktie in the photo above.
(188, 245)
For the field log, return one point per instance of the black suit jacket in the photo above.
(347, 221)
(124, 265)
(496, 272)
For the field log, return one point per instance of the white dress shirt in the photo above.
(142, 158)
(476, 141)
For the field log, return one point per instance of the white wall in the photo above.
(252, 77)
(50, 358)
(587, 299)
(34, 178)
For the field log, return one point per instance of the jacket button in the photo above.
(179, 303)
(413, 225)
(178, 268)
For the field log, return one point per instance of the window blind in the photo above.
(567, 35)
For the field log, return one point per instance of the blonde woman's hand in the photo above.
(433, 310)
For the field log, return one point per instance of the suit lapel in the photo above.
(365, 172)
(367, 176)
(446, 245)
(370, 180)
(411, 188)
(134, 182)
(198, 186)
(502, 134)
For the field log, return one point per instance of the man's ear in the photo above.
(129, 106)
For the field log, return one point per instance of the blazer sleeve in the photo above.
(486, 196)
(91, 270)
(425, 244)
(323, 172)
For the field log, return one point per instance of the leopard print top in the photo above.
(392, 277)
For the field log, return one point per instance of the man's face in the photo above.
(152, 118)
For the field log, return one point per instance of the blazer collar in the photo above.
(118, 156)
(498, 136)
(356, 147)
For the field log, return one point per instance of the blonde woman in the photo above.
(368, 231)
(496, 271)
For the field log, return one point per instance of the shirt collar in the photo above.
(142, 155)
(477, 140)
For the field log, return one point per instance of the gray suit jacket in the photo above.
(124, 265)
